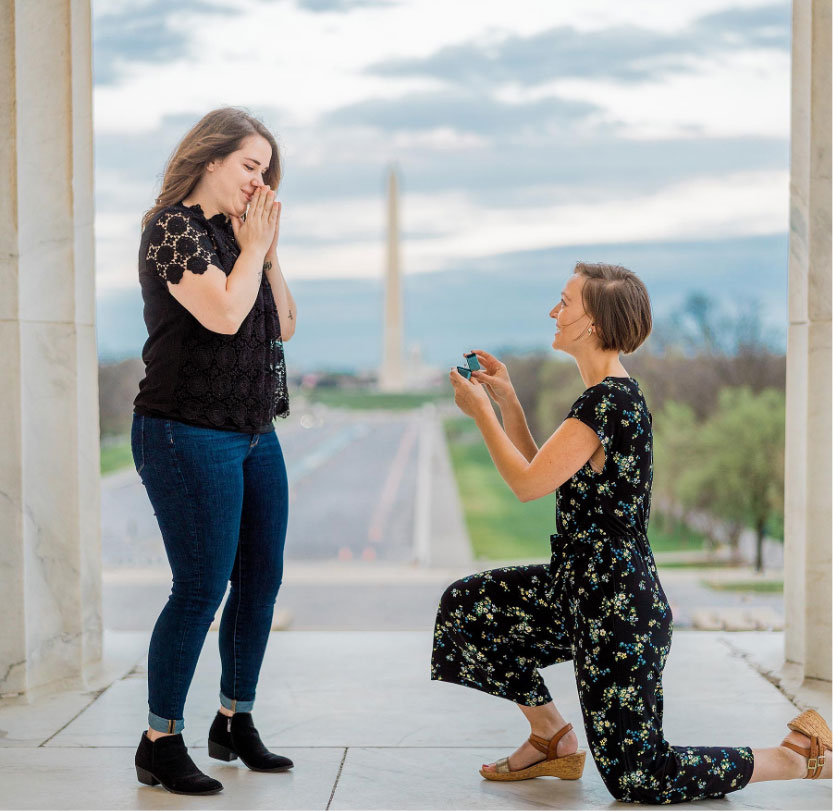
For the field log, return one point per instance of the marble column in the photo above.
(392, 373)
(50, 547)
(807, 524)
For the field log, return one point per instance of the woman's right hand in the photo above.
(258, 230)
(495, 377)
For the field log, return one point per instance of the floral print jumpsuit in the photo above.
(598, 603)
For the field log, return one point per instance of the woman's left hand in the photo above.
(273, 248)
(469, 396)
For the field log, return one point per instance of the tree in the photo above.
(736, 471)
(675, 438)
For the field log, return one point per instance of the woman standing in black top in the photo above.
(599, 601)
(217, 309)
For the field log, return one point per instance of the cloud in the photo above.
(494, 154)
(340, 6)
(761, 27)
(352, 163)
(627, 53)
(460, 111)
(125, 35)
(442, 229)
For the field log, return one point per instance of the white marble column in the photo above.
(807, 525)
(50, 556)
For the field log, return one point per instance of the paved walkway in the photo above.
(368, 729)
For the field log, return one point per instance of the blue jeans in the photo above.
(221, 499)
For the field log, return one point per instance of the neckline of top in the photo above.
(218, 219)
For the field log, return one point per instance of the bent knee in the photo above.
(452, 600)
(633, 793)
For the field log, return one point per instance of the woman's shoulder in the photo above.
(178, 224)
(177, 239)
(613, 393)
(617, 387)
(176, 218)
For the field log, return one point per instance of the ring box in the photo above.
(465, 371)
(471, 360)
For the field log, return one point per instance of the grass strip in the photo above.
(759, 586)
(115, 456)
(500, 526)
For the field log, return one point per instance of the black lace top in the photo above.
(616, 501)
(230, 382)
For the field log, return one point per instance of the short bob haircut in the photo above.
(617, 301)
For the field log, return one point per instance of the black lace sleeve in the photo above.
(178, 243)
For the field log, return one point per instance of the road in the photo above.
(352, 488)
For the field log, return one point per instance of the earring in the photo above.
(590, 330)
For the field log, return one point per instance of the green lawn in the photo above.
(503, 528)
(759, 586)
(366, 399)
(116, 455)
(500, 526)
(668, 536)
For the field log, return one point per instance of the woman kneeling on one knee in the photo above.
(217, 309)
(599, 601)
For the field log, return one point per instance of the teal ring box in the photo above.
(466, 372)
(471, 360)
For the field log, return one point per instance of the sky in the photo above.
(514, 126)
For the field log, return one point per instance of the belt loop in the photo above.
(234, 705)
(171, 725)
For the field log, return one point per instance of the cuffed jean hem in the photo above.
(169, 725)
(234, 705)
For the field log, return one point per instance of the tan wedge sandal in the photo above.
(568, 767)
(811, 724)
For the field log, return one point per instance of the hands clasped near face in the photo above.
(472, 396)
(261, 227)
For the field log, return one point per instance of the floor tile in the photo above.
(444, 778)
(93, 779)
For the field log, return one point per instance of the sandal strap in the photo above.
(549, 747)
(814, 755)
(810, 723)
(502, 766)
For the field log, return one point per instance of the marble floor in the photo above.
(367, 729)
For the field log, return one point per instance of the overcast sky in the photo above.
(515, 125)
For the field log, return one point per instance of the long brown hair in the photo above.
(617, 301)
(216, 135)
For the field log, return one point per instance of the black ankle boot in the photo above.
(166, 761)
(235, 736)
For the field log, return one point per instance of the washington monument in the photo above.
(391, 373)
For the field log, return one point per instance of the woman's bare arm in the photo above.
(559, 458)
(494, 375)
(284, 302)
(219, 302)
(517, 429)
